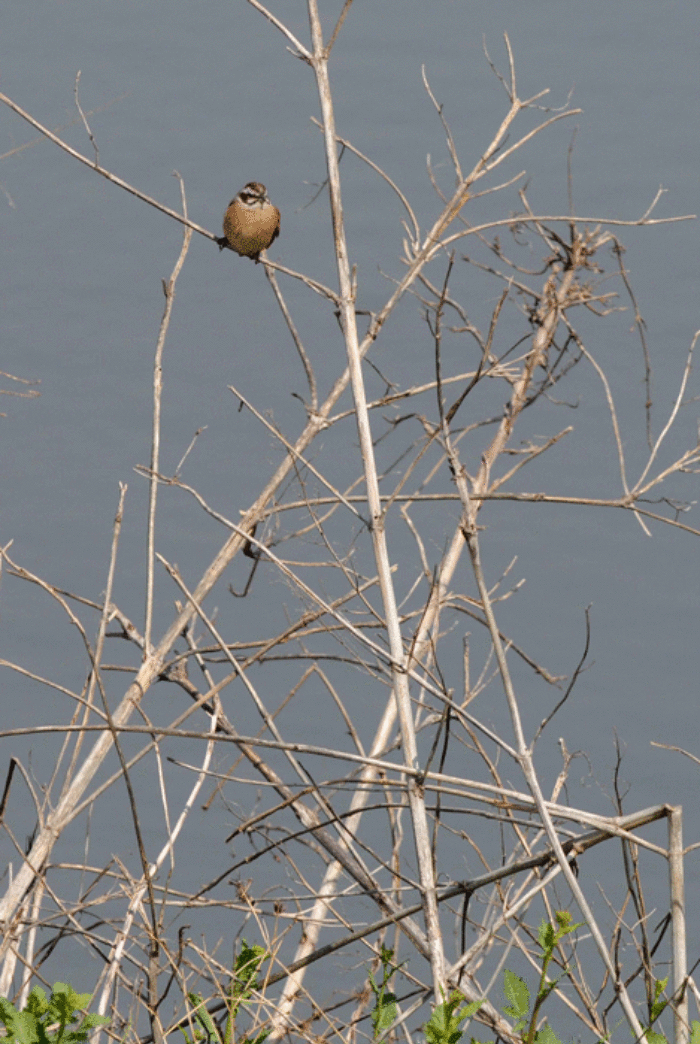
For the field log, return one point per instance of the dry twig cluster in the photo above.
(358, 841)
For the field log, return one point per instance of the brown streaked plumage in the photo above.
(251, 222)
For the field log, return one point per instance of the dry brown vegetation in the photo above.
(347, 743)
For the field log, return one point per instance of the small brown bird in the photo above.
(251, 222)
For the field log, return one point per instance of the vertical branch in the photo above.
(169, 291)
(377, 518)
(30, 949)
(527, 765)
(553, 306)
(139, 890)
(305, 361)
(680, 972)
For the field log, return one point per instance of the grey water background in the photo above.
(210, 91)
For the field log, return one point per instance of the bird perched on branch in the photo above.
(251, 222)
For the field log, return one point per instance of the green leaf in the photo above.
(91, 1020)
(565, 927)
(658, 1005)
(246, 969)
(8, 1015)
(654, 1038)
(22, 1026)
(30, 1026)
(262, 1036)
(385, 1006)
(37, 1003)
(659, 987)
(695, 1032)
(517, 995)
(243, 983)
(445, 1023)
(202, 1015)
(546, 1035)
(63, 1002)
(545, 936)
(385, 1011)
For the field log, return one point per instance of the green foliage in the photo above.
(524, 1010)
(659, 1003)
(547, 1035)
(447, 1018)
(208, 1029)
(45, 1021)
(520, 1007)
(385, 1007)
(445, 1025)
(245, 972)
(518, 997)
(243, 984)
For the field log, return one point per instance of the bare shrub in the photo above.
(350, 740)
